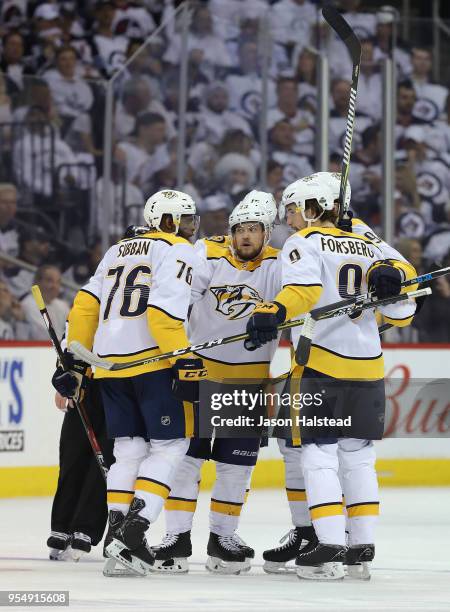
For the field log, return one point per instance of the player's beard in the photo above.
(249, 254)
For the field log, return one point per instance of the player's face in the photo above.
(294, 218)
(248, 240)
(188, 226)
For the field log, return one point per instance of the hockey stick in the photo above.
(304, 342)
(37, 295)
(346, 307)
(353, 45)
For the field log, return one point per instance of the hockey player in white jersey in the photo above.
(322, 264)
(239, 272)
(135, 306)
(276, 559)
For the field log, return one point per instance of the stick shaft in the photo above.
(93, 359)
(79, 405)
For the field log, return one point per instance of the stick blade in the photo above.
(85, 355)
(344, 31)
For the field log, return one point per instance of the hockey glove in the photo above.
(187, 375)
(70, 383)
(262, 325)
(385, 281)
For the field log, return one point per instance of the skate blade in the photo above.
(359, 571)
(77, 554)
(116, 550)
(59, 555)
(276, 567)
(110, 569)
(218, 566)
(326, 571)
(177, 565)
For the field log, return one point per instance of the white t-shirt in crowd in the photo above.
(57, 310)
(71, 96)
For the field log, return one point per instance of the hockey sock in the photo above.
(359, 480)
(182, 501)
(157, 472)
(129, 453)
(324, 493)
(228, 496)
(295, 484)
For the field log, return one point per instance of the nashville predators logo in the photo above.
(235, 301)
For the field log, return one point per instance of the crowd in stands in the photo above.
(55, 61)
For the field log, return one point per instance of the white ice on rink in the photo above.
(411, 570)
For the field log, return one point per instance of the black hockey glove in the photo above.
(135, 230)
(187, 375)
(262, 325)
(385, 281)
(70, 383)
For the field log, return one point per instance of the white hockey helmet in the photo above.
(168, 202)
(263, 199)
(333, 180)
(254, 210)
(304, 189)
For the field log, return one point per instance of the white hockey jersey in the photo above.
(137, 301)
(327, 265)
(225, 291)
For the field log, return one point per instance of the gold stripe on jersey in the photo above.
(181, 504)
(219, 371)
(336, 365)
(247, 491)
(168, 331)
(298, 299)
(152, 486)
(398, 322)
(296, 495)
(83, 319)
(324, 510)
(228, 508)
(127, 372)
(188, 408)
(363, 509)
(333, 231)
(164, 236)
(294, 387)
(114, 496)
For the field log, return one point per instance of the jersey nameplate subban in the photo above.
(136, 247)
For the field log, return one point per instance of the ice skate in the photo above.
(321, 562)
(276, 559)
(59, 544)
(172, 554)
(248, 551)
(225, 556)
(358, 559)
(129, 545)
(112, 567)
(80, 545)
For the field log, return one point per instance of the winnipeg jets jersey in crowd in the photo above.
(225, 291)
(431, 100)
(136, 302)
(335, 264)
